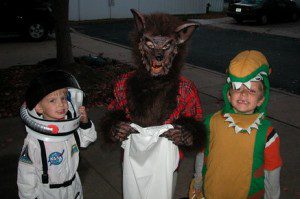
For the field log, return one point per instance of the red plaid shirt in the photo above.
(188, 101)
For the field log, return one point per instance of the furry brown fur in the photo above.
(164, 25)
(152, 98)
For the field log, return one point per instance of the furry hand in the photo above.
(179, 136)
(121, 131)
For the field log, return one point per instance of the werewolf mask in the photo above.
(160, 42)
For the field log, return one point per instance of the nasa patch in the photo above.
(56, 158)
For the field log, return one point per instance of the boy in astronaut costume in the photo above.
(242, 156)
(57, 125)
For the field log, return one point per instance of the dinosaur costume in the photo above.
(242, 158)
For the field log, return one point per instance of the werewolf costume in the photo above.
(242, 158)
(156, 95)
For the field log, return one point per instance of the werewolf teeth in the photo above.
(156, 66)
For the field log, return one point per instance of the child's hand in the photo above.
(195, 192)
(84, 117)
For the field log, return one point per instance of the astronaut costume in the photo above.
(49, 159)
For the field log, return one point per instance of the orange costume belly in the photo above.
(230, 160)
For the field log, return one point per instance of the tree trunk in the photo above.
(62, 32)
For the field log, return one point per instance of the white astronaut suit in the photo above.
(50, 156)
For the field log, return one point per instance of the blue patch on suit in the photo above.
(56, 158)
(74, 149)
(25, 156)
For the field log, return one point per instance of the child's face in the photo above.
(54, 106)
(244, 100)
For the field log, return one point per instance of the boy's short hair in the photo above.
(46, 83)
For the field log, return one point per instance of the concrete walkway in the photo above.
(100, 168)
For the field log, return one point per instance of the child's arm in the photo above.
(272, 184)
(27, 178)
(195, 191)
(86, 131)
(272, 164)
(198, 171)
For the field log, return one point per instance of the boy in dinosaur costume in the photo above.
(242, 158)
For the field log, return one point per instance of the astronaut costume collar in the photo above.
(48, 130)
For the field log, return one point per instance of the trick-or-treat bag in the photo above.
(149, 163)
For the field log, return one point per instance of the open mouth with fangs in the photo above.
(156, 66)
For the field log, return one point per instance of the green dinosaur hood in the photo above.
(248, 65)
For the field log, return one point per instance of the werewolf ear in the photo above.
(139, 20)
(185, 31)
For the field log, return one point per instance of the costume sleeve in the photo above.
(272, 165)
(118, 103)
(192, 101)
(87, 134)
(272, 184)
(199, 162)
(272, 151)
(27, 179)
(195, 190)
